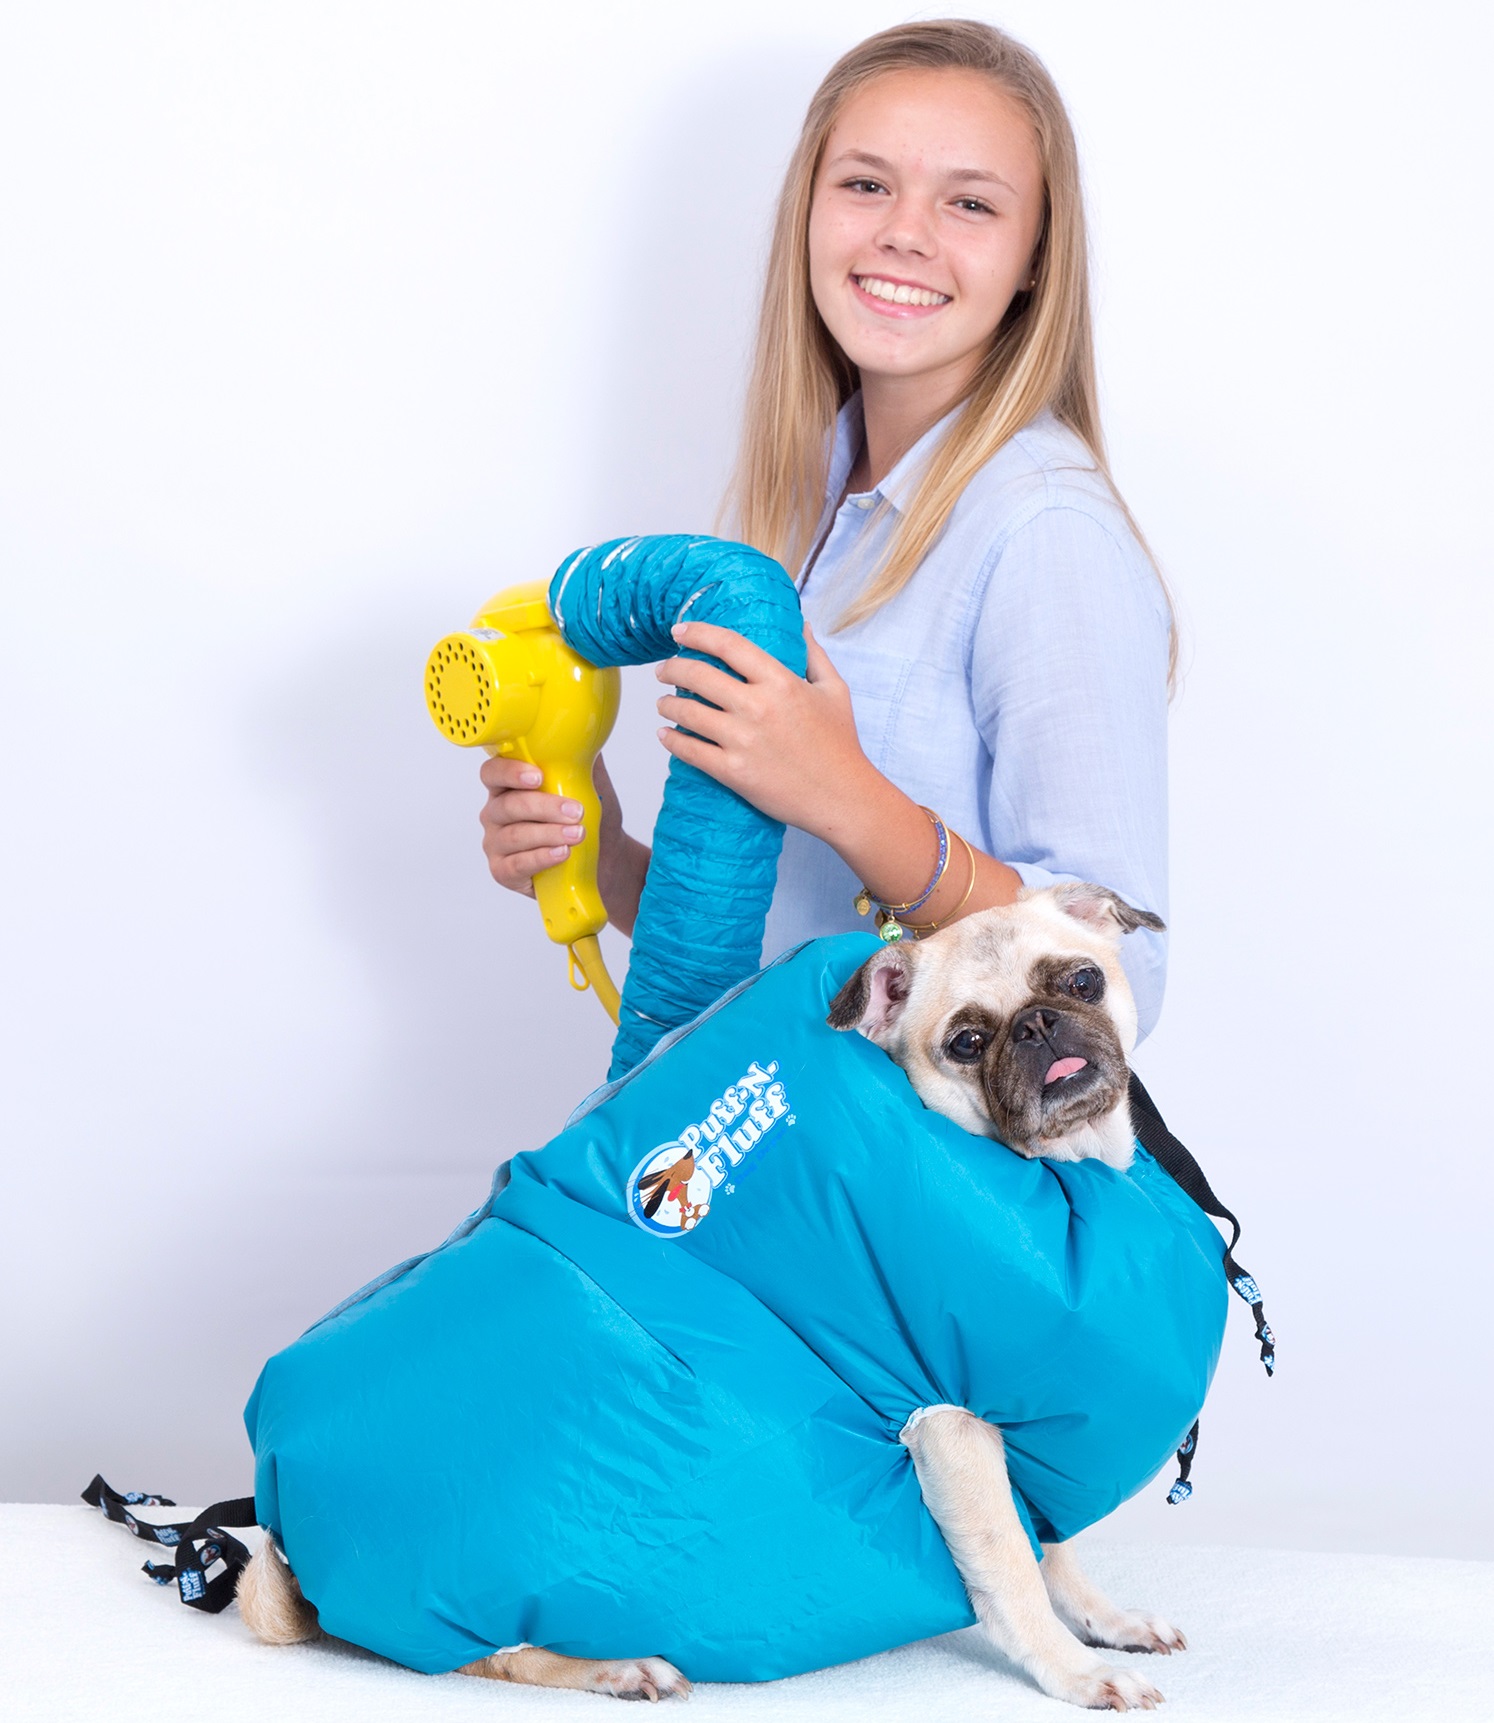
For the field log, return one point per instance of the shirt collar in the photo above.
(898, 487)
(845, 445)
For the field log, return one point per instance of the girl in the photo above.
(990, 646)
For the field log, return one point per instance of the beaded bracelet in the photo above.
(921, 928)
(887, 913)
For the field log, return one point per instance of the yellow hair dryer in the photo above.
(511, 685)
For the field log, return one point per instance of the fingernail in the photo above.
(572, 832)
(571, 810)
(560, 854)
(530, 778)
(678, 631)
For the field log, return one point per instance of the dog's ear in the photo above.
(873, 999)
(1099, 907)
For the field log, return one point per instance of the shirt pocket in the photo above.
(876, 679)
(933, 750)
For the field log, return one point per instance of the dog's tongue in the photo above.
(1063, 1068)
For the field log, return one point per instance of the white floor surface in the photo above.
(1274, 1635)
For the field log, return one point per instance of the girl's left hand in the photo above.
(786, 744)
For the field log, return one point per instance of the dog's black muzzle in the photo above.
(1045, 1036)
(1017, 1083)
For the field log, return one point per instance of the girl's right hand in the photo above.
(525, 830)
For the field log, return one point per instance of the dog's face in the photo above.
(1015, 1023)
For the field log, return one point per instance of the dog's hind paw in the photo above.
(622, 1677)
(640, 1678)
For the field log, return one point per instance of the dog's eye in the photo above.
(966, 1047)
(1086, 984)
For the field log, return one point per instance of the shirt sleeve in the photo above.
(1068, 678)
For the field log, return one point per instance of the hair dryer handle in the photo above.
(567, 893)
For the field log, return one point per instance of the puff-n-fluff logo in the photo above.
(672, 1187)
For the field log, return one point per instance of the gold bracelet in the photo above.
(922, 928)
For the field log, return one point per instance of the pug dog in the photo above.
(1015, 1023)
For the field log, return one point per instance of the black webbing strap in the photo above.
(1187, 1448)
(200, 1544)
(1169, 1154)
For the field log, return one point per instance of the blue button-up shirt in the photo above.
(1017, 684)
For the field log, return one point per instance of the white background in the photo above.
(320, 322)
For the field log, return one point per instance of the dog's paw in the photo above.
(1107, 1689)
(640, 1678)
(1131, 1630)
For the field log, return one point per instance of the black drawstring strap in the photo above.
(1182, 1489)
(1175, 1160)
(200, 1544)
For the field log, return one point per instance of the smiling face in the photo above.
(1015, 1023)
(927, 208)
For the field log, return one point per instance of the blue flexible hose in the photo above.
(715, 860)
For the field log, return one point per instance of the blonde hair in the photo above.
(1041, 356)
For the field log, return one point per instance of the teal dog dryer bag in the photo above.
(648, 1399)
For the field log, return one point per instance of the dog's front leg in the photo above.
(961, 1465)
(1082, 1606)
